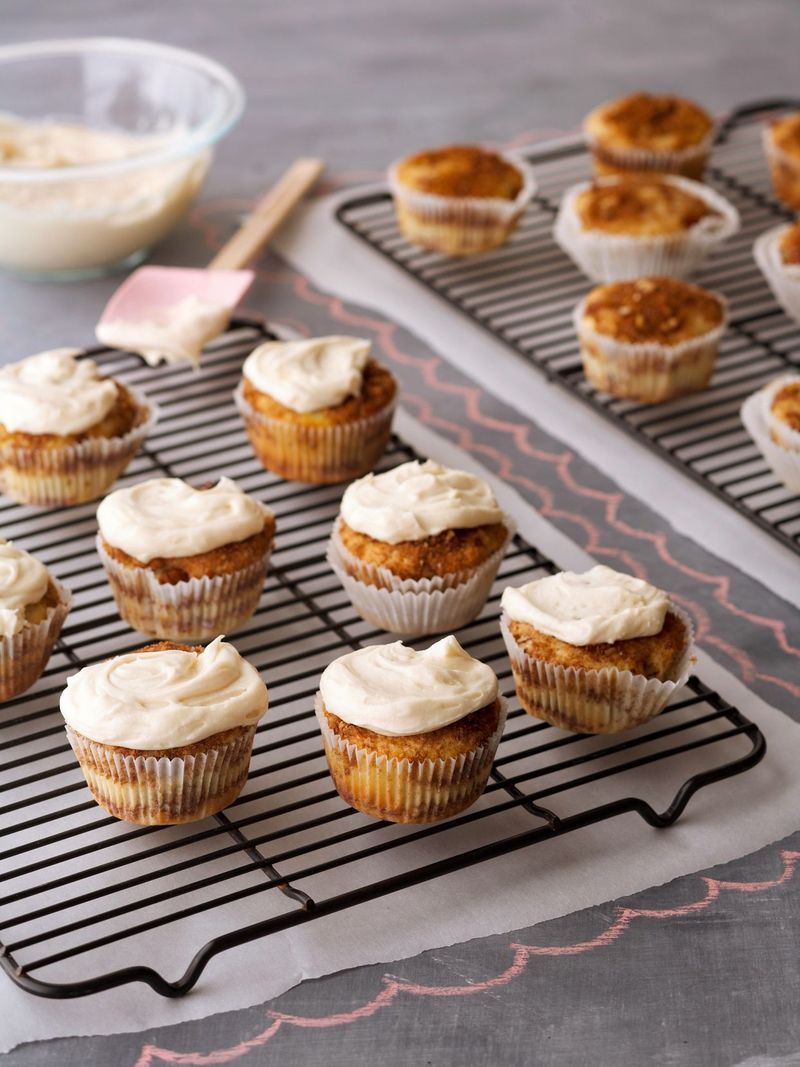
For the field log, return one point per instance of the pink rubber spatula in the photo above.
(150, 290)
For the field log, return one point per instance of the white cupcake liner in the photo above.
(24, 655)
(784, 170)
(689, 162)
(777, 442)
(195, 609)
(648, 372)
(783, 278)
(156, 790)
(611, 257)
(319, 455)
(592, 701)
(410, 606)
(403, 790)
(57, 477)
(460, 226)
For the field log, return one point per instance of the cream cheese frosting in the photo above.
(166, 517)
(175, 334)
(600, 606)
(396, 691)
(418, 500)
(23, 581)
(53, 392)
(311, 374)
(164, 699)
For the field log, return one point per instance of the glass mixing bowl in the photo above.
(61, 217)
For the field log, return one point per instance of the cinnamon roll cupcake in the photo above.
(66, 431)
(185, 562)
(782, 147)
(771, 416)
(410, 736)
(165, 734)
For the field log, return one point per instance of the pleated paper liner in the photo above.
(24, 655)
(689, 162)
(777, 442)
(783, 278)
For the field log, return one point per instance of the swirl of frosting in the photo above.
(23, 581)
(176, 333)
(600, 606)
(396, 691)
(165, 518)
(418, 500)
(164, 699)
(53, 392)
(309, 375)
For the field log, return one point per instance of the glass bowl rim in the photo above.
(208, 132)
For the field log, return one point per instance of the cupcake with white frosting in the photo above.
(184, 562)
(771, 416)
(595, 652)
(418, 547)
(410, 736)
(66, 431)
(317, 410)
(33, 606)
(165, 734)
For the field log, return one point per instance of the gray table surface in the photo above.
(359, 83)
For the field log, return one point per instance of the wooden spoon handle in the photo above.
(267, 216)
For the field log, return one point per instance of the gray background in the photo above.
(359, 83)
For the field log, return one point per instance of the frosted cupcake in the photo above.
(461, 199)
(772, 418)
(630, 225)
(777, 253)
(596, 652)
(66, 431)
(782, 147)
(165, 734)
(643, 131)
(184, 562)
(410, 736)
(417, 548)
(317, 410)
(33, 606)
(651, 339)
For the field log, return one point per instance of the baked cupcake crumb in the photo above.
(656, 309)
(461, 171)
(642, 205)
(644, 120)
(786, 405)
(789, 245)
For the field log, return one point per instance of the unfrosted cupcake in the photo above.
(417, 548)
(165, 734)
(651, 339)
(410, 736)
(595, 652)
(461, 199)
(33, 606)
(772, 418)
(66, 431)
(777, 253)
(782, 146)
(317, 410)
(643, 131)
(631, 225)
(184, 562)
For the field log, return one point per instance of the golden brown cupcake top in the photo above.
(461, 170)
(644, 120)
(663, 310)
(789, 245)
(786, 405)
(641, 205)
(785, 133)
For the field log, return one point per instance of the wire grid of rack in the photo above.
(524, 294)
(85, 901)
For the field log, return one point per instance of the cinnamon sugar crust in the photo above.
(785, 134)
(122, 417)
(786, 405)
(641, 205)
(660, 123)
(461, 171)
(663, 310)
(789, 246)
(445, 553)
(378, 389)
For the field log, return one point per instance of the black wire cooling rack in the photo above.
(524, 293)
(87, 903)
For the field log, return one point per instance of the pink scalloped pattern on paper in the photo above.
(522, 955)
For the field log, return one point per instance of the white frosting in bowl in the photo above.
(175, 334)
(418, 500)
(396, 691)
(311, 374)
(166, 518)
(600, 606)
(53, 392)
(162, 700)
(23, 581)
